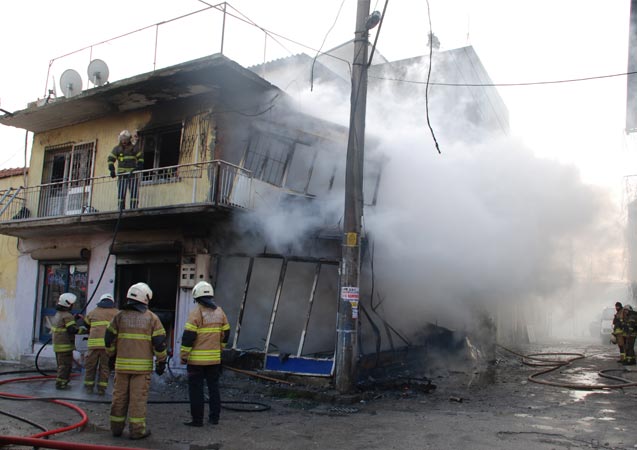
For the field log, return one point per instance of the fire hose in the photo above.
(40, 439)
(541, 360)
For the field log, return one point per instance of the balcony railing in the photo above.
(215, 183)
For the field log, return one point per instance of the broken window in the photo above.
(58, 278)
(66, 176)
(267, 157)
(161, 152)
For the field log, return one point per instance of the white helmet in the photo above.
(140, 292)
(202, 289)
(107, 297)
(125, 136)
(67, 299)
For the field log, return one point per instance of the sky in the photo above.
(580, 123)
(568, 137)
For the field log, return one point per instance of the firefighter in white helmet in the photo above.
(130, 158)
(134, 335)
(97, 360)
(205, 334)
(63, 329)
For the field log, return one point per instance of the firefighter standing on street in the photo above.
(205, 334)
(96, 362)
(630, 331)
(64, 328)
(134, 335)
(130, 158)
(618, 331)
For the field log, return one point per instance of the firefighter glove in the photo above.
(140, 165)
(112, 173)
(160, 368)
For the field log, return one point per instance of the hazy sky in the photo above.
(580, 123)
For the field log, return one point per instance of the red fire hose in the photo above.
(37, 439)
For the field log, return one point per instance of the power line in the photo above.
(338, 14)
(431, 49)
(530, 83)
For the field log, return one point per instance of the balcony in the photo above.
(199, 188)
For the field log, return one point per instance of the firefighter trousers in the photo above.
(130, 394)
(629, 348)
(65, 364)
(96, 364)
(196, 377)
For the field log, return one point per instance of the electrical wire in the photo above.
(431, 50)
(530, 83)
(338, 14)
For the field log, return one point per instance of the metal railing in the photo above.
(209, 183)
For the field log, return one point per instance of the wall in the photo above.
(8, 279)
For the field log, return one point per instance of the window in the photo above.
(161, 150)
(57, 279)
(67, 172)
(267, 157)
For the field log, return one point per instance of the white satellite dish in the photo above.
(98, 72)
(71, 83)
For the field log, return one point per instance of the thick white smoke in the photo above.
(485, 226)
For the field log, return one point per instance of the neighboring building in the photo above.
(9, 254)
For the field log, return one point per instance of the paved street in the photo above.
(466, 411)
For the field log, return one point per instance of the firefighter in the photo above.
(130, 158)
(97, 360)
(618, 331)
(64, 328)
(134, 335)
(630, 331)
(205, 334)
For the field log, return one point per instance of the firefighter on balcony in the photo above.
(206, 332)
(129, 158)
(134, 335)
(97, 359)
(64, 328)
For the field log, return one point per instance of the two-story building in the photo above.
(230, 192)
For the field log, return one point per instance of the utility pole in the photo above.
(347, 327)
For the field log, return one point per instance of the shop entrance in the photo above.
(162, 279)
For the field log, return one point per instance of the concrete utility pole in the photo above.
(347, 328)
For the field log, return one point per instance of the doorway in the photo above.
(163, 281)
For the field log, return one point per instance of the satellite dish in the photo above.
(98, 72)
(71, 83)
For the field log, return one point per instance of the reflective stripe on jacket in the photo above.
(63, 331)
(203, 336)
(98, 319)
(136, 337)
(127, 158)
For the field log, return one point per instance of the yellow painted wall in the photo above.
(105, 131)
(8, 276)
(8, 251)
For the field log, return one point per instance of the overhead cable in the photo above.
(530, 83)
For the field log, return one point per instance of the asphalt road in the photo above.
(466, 411)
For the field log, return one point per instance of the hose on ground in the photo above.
(540, 360)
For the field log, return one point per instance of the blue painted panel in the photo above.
(304, 366)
